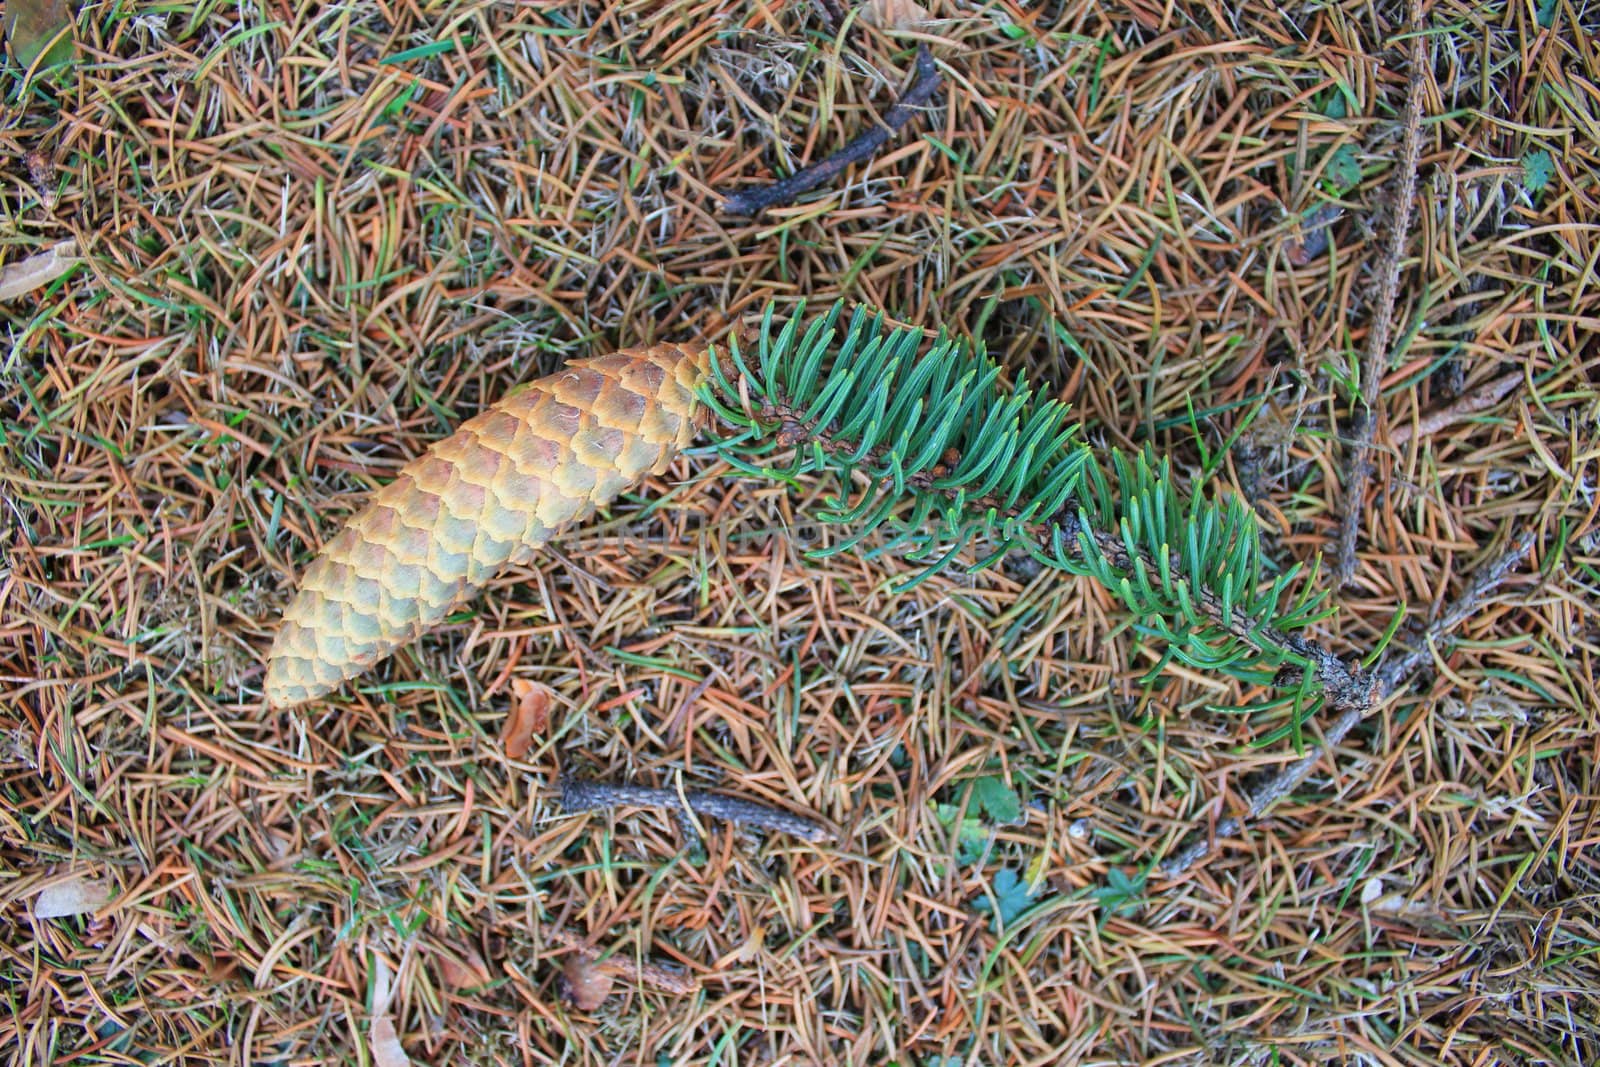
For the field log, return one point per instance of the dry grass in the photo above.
(310, 254)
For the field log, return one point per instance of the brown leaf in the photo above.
(29, 274)
(42, 173)
(32, 27)
(584, 984)
(467, 972)
(650, 973)
(895, 14)
(743, 953)
(1317, 230)
(529, 718)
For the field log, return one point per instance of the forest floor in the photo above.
(310, 239)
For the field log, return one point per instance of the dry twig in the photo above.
(580, 795)
(1358, 468)
(864, 147)
(1389, 676)
(1480, 399)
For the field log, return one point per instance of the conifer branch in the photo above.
(946, 456)
(1346, 686)
(932, 432)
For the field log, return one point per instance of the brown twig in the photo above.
(580, 795)
(1480, 399)
(864, 147)
(1358, 469)
(638, 971)
(1394, 671)
(1389, 676)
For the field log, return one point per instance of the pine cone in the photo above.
(506, 482)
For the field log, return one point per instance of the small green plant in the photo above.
(1538, 170)
(1007, 899)
(972, 836)
(1121, 894)
(998, 800)
(992, 804)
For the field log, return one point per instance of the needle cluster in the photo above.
(929, 445)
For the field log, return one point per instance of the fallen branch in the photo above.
(1480, 399)
(1358, 468)
(580, 795)
(1388, 677)
(864, 147)
(1054, 502)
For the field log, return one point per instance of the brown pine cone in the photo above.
(506, 482)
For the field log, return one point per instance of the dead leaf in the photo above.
(17, 747)
(647, 971)
(529, 718)
(42, 173)
(34, 27)
(1375, 900)
(72, 896)
(29, 274)
(467, 972)
(385, 1044)
(895, 14)
(585, 984)
(749, 950)
(280, 847)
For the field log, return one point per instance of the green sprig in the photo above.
(932, 450)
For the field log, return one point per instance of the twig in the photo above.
(1394, 671)
(1358, 469)
(865, 145)
(1280, 786)
(643, 971)
(1487, 396)
(1389, 676)
(579, 795)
